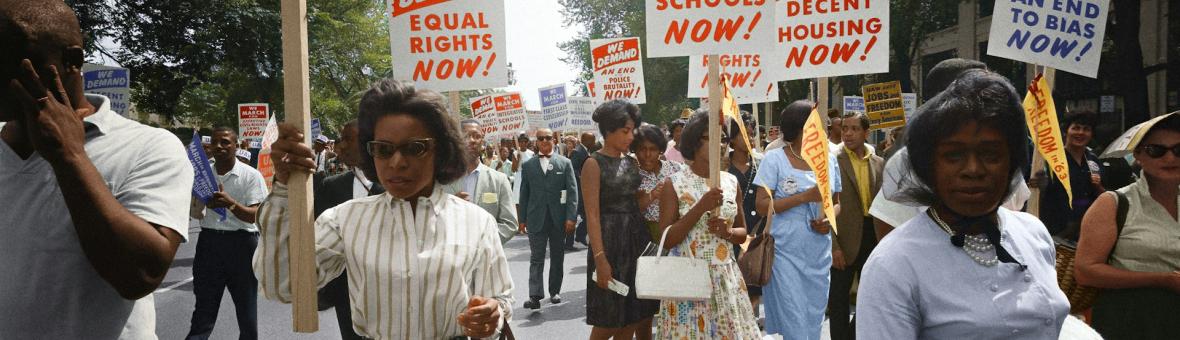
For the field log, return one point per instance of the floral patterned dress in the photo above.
(727, 314)
(650, 180)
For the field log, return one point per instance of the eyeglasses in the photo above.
(1158, 151)
(414, 148)
(544, 138)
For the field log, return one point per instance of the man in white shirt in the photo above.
(523, 154)
(94, 203)
(484, 186)
(226, 245)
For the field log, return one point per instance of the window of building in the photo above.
(1011, 69)
(985, 8)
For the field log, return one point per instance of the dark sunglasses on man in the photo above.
(1158, 151)
(544, 138)
(416, 148)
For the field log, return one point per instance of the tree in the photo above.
(910, 22)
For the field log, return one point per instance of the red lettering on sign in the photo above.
(721, 29)
(457, 67)
(405, 6)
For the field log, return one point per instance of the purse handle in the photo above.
(770, 216)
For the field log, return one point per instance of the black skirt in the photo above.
(625, 237)
(1138, 313)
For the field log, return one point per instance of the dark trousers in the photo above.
(552, 237)
(839, 296)
(223, 260)
(336, 294)
(579, 234)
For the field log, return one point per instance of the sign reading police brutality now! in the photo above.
(111, 82)
(449, 45)
(884, 105)
(833, 38)
(252, 120)
(618, 69)
(678, 28)
(554, 106)
(1062, 34)
(750, 80)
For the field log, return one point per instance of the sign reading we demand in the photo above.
(832, 38)
(449, 45)
(1062, 34)
(618, 69)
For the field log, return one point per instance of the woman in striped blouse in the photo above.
(421, 264)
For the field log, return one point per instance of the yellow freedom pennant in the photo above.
(815, 152)
(729, 108)
(1041, 116)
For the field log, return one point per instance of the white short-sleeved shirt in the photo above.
(48, 288)
(246, 186)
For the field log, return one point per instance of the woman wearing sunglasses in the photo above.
(1137, 267)
(421, 264)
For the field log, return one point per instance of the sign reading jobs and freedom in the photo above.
(1062, 34)
(449, 45)
(678, 28)
(884, 105)
(750, 80)
(252, 120)
(618, 69)
(554, 106)
(111, 82)
(832, 38)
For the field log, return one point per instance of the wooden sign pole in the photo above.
(714, 123)
(297, 105)
(1038, 161)
(821, 96)
(456, 109)
(757, 134)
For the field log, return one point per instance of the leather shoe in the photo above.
(555, 299)
(532, 304)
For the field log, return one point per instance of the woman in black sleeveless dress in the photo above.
(616, 228)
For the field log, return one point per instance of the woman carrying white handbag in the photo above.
(691, 232)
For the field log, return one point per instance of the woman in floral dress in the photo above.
(685, 204)
(648, 145)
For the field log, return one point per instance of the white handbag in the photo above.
(672, 277)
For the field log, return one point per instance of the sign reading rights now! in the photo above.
(449, 45)
(678, 28)
(748, 77)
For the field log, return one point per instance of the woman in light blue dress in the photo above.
(797, 294)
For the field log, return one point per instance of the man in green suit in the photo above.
(484, 186)
(549, 200)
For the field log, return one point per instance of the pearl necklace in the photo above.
(975, 246)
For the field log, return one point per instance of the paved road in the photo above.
(174, 302)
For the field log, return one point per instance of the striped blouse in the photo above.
(409, 274)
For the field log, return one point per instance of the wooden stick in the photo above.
(455, 108)
(821, 96)
(758, 136)
(297, 105)
(714, 123)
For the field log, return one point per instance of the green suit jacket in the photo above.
(553, 193)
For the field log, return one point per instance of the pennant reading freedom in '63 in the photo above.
(1041, 116)
(677, 28)
(1065, 35)
(832, 38)
(815, 153)
(449, 45)
(618, 69)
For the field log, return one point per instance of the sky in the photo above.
(534, 29)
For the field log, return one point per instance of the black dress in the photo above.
(625, 236)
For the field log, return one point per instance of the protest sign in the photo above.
(909, 101)
(688, 27)
(536, 120)
(815, 152)
(252, 120)
(484, 110)
(618, 69)
(554, 106)
(266, 165)
(111, 82)
(449, 45)
(1041, 116)
(883, 105)
(582, 113)
(590, 89)
(204, 183)
(749, 77)
(510, 115)
(854, 104)
(832, 38)
(1065, 35)
(316, 129)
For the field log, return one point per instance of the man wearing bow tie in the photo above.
(549, 203)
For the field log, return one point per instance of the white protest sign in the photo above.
(510, 115)
(449, 45)
(554, 106)
(832, 38)
(909, 101)
(1062, 34)
(581, 116)
(854, 104)
(536, 120)
(111, 82)
(252, 120)
(618, 69)
(689, 27)
(749, 78)
(483, 109)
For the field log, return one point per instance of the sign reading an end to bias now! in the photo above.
(832, 38)
(677, 28)
(618, 69)
(1062, 34)
(449, 45)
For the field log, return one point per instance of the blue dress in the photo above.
(797, 295)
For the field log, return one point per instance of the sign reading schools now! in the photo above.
(449, 45)
(1062, 34)
(677, 28)
(111, 82)
(832, 38)
(554, 106)
(618, 69)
